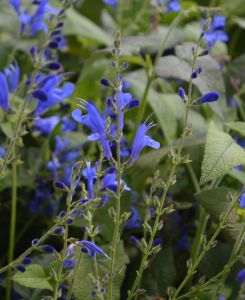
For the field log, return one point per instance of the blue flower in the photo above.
(4, 93)
(96, 123)
(109, 181)
(46, 125)
(53, 93)
(241, 276)
(69, 263)
(242, 201)
(2, 152)
(93, 249)
(110, 2)
(12, 75)
(134, 221)
(215, 31)
(209, 97)
(142, 140)
(90, 174)
(169, 5)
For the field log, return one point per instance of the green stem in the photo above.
(12, 227)
(175, 162)
(227, 268)
(143, 104)
(206, 248)
(70, 289)
(117, 217)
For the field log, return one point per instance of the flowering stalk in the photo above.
(206, 248)
(42, 239)
(12, 227)
(58, 278)
(175, 162)
(117, 217)
(150, 73)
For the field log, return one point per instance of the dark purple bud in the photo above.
(40, 95)
(157, 242)
(109, 101)
(59, 230)
(83, 201)
(76, 213)
(26, 261)
(209, 97)
(194, 75)
(21, 268)
(35, 242)
(181, 93)
(84, 250)
(204, 52)
(113, 52)
(134, 103)
(55, 66)
(53, 45)
(58, 38)
(48, 249)
(199, 70)
(125, 65)
(60, 24)
(33, 51)
(241, 276)
(134, 240)
(62, 214)
(60, 185)
(93, 293)
(69, 221)
(56, 32)
(105, 82)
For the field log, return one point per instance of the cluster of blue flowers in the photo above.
(47, 85)
(216, 31)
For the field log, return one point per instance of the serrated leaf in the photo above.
(237, 127)
(34, 277)
(84, 284)
(221, 155)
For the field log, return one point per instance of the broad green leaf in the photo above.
(221, 155)
(237, 126)
(239, 21)
(76, 24)
(210, 79)
(34, 277)
(216, 203)
(84, 283)
(162, 273)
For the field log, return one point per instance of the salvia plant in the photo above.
(122, 150)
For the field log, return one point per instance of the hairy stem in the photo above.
(206, 248)
(175, 162)
(12, 227)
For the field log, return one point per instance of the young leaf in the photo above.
(34, 277)
(221, 155)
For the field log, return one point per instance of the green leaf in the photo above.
(238, 175)
(236, 69)
(216, 203)
(34, 277)
(221, 155)
(76, 24)
(84, 284)
(162, 273)
(239, 127)
(7, 129)
(179, 66)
